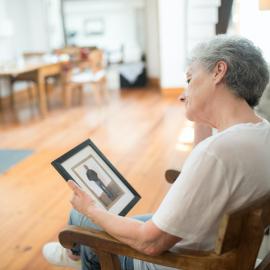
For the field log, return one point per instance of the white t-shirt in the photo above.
(222, 173)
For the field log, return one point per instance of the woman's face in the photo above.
(199, 91)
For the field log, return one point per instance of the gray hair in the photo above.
(247, 74)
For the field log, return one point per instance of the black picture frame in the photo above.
(94, 173)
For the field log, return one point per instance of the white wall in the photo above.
(253, 24)
(37, 32)
(29, 20)
(30, 33)
(172, 25)
(5, 36)
(182, 25)
(141, 27)
(55, 26)
(202, 17)
(152, 39)
(120, 22)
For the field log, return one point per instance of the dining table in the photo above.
(36, 70)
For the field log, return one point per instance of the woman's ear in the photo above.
(219, 71)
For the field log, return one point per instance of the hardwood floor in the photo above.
(141, 133)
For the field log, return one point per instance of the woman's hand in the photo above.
(81, 201)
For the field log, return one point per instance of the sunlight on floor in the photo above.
(186, 137)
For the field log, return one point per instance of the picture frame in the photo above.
(94, 26)
(94, 173)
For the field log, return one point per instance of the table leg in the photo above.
(12, 97)
(42, 95)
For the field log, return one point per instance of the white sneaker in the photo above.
(56, 254)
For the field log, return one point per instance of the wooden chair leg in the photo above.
(31, 89)
(67, 92)
(105, 91)
(47, 90)
(108, 261)
(12, 96)
(96, 90)
(80, 92)
(1, 99)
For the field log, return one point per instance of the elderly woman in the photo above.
(226, 78)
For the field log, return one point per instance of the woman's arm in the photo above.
(144, 237)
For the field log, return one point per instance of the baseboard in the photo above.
(172, 91)
(153, 82)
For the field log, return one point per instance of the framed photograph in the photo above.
(94, 173)
(94, 26)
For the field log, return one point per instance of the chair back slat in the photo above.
(266, 215)
(242, 231)
(228, 234)
(250, 242)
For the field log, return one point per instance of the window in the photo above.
(252, 23)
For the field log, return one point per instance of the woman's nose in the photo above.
(183, 97)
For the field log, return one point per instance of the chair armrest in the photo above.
(171, 175)
(104, 243)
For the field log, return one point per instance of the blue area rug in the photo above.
(9, 158)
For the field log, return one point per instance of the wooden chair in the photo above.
(50, 82)
(96, 79)
(99, 84)
(237, 244)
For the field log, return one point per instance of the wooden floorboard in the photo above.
(141, 133)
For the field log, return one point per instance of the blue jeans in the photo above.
(88, 257)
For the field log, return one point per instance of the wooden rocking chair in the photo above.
(237, 244)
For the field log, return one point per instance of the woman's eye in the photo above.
(188, 80)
